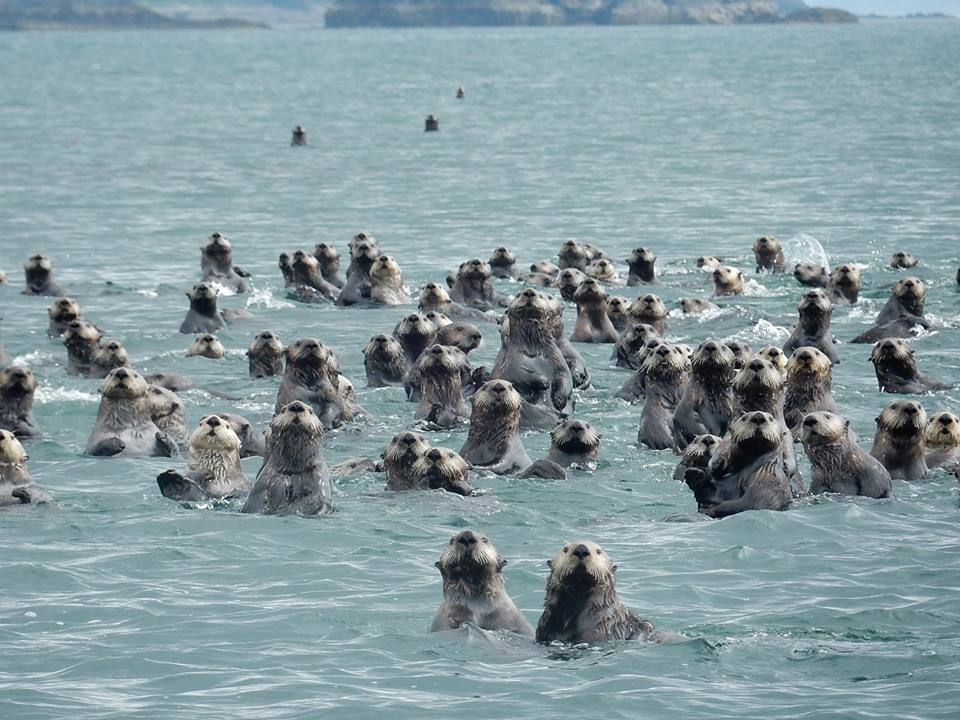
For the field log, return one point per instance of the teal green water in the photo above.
(120, 153)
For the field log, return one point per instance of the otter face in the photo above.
(910, 289)
(207, 346)
(808, 272)
(441, 360)
(202, 291)
(758, 373)
(756, 431)
(766, 248)
(641, 256)
(808, 361)
(64, 309)
(11, 451)
(363, 251)
(475, 271)
(386, 270)
(664, 360)
(589, 291)
(498, 395)
(163, 402)
(602, 270)
(217, 246)
(464, 336)
(38, 264)
(80, 333)
(304, 264)
(529, 304)
(414, 325)
(815, 303)
(775, 356)
(901, 259)
(297, 417)
(433, 294)
(891, 349)
(214, 433)
(570, 279)
(647, 308)
(636, 336)
(444, 470)
(266, 343)
(573, 254)
(581, 563)
(502, 257)
(943, 431)
(405, 445)
(822, 428)
(575, 437)
(545, 268)
(112, 354)
(693, 306)
(617, 306)
(845, 276)
(903, 418)
(712, 354)
(469, 553)
(326, 253)
(17, 381)
(700, 450)
(727, 280)
(124, 383)
(383, 346)
(708, 262)
(742, 354)
(438, 319)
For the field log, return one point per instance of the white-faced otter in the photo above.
(16, 484)
(573, 442)
(216, 264)
(474, 590)
(649, 309)
(63, 311)
(204, 316)
(900, 441)
(38, 271)
(813, 327)
(82, 341)
(503, 264)
(568, 281)
(415, 334)
(384, 362)
(213, 465)
(727, 281)
(708, 262)
(442, 372)
(696, 306)
(845, 284)
(696, 455)
(746, 471)
(265, 355)
(631, 343)
(942, 441)
(363, 251)
(837, 463)
(634, 388)
(329, 258)
(17, 388)
(461, 335)
(896, 368)
(386, 282)
(593, 324)
(493, 442)
(473, 286)
(811, 275)
(399, 458)
(307, 280)
(776, 357)
(435, 298)
(207, 346)
(769, 255)
(581, 603)
(707, 403)
(293, 479)
(758, 386)
(602, 270)
(665, 382)
(809, 376)
(901, 259)
(312, 375)
(902, 313)
(641, 264)
(442, 469)
(617, 311)
(124, 426)
(109, 356)
(575, 255)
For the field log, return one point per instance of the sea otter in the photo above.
(900, 440)
(575, 255)
(665, 382)
(573, 442)
(285, 263)
(109, 356)
(641, 264)
(845, 284)
(312, 375)
(63, 311)
(581, 603)
(216, 264)
(384, 362)
(442, 469)
(727, 281)
(649, 309)
(363, 251)
(631, 343)
(634, 388)
(494, 442)
(329, 258)
(203, 315)
(166, 411)
(696, 455)
(707, 403)
(213, 465)
(17, 388)
(837, 463)
(942, 441)
(568, 281)
(809, 376)
(708, 262)
(742, 354)
(474, 590)
(461, 335)
(38, 272)
(769, 255)
(309, 284)
(16, 484)
(758, 386)
(294, 479)
(776, 357)
(124, 426)
(503, 264)
(542, 274)
(435, 298)
(811, 275)
(207, 346)
(602, 270)
(386, 283)
(813, 327)
(901, 259)
(696, 306)
(82, 341)
(265, 355)
(617, 311)
(399, 458)
(593, 324)
(473, 286)
(442, 372)
(902, 313)
(415, 334)
(896, 368)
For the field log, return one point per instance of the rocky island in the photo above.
(100, 15)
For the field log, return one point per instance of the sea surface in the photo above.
(121, 152)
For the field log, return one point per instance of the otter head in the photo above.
(216, 434)
(767, 251)
(692, 306)
(846, 276)
(727, 280)
(823, 428)
(443, 469)
(573, 255)
(700, 450)
(433, 294)
(207, 346)
(575, 437)
(530, 304)
(203, 298)
(756, 432)
(475, 272)
(64, 310)
(81, 335)
(647, 308)
(742, 354)
(498, 397)
(664, 361)
(943, 431)
(569, 280)
(581, 565)
(437, 318)
(809, 365)
(16, 382)
(810, 274)
(815, 305)
(911, 293)
(708, 262)
(386, 271)
(602, 269)
(11, 451)
(713, 359)
(310, 355)
(362, 253)
(641, 257)
(441, 360)
(464, 336)
(405, 446)
(37, 269)
(502, 257)
(286, 267)
(383, 346)
(469, 556)
(328, 256)
(892, 351)
(415, 329)
(903, 419)
(112, 355)
(124, 383)
(544, 267)
(305, 267)
(292, 435)
(589, 292)
(901, 259)
(217, 247)
(163, 403)
(617, 307)
(757, 374)
(267, 344)
(775, 356)
(637, 335)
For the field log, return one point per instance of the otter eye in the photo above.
(566, 549)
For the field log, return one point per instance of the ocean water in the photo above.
(120, 153)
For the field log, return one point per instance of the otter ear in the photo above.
(613, 569)
(846, 424)
(501, 563)
(877, 420)
(550, 564)
(187, 293)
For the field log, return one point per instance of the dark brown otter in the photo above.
(442, 372)
(809, 375)
(813, 327)
(900, 441)
(308, 280)
(216, 265)
(399, 458)
(17, 388)
(696, 455)
(573, 255)
(38, 272)
(82, 341)
(769, 255)
(363, 251)
(634, 389)
(265, 355)
(641, 263)
(415, 334)
(902, 313)
(631, 343)
(329, 258)
(811, 275)
(742, 354)
(473, 286)
(384, 362)
(503, 264)
(707, 403)
(312, 375)
(494, 440)
(593, 324)
(896, 368)
(665, 382)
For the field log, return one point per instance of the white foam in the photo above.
(803, 248)
(46, 395)
(266, 299)
(763, 333)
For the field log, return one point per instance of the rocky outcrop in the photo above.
(98, 15)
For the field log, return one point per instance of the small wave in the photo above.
(763, 333)
(61, 394)
(148, 293)
(265, 298)
(31, 358)
(751, 288)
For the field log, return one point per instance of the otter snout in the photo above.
(581, 551)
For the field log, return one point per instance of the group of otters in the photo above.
(732, 414)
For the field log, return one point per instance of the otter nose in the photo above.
(812, 295)
(121, 373)
(408, 439)
(758, 419)
(910, 409)
(756, 365)
(467, 538)
(434, 455)
(945, 420)
(581, 551)
(213, 421)
(663, 350)
(296, 407)
(413, 318)
(502, 250)
(529, 294)
(809, 421)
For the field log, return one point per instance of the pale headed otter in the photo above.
(896, 368)
(665, 382)
(696, 306)
(415, 333)
(837, 463)
(813, 327)
(399, 458)
(473, 286)
(593, 324)
(63, 311)
(776, 357)
(384, 362)
(461, 335)
(845, 284)
(265, 355)
(386, 282)
(573, 255)
(942, 442)
(203, 315)
(742, 354)
(649, 309)
(213, 465)
(634, 389)
(16, 484)
(307, 280)
(294, 479)
(216, 264)
(329, 258)
(494, 441)
(630, 344)
(901, 259)
(442, 469)
(568, 281)
(109, 356)
(617, 311)
(758, 387)
(707, 403)
(363, 251)
(708, 262)
(696, 455)
(900, 441)
(641, 263)
(503, 264)
(574, 442)
(769, 255)
(38, 272)
(474, 590)
(312, 375)
(811, 275)
(124, 425)
(207, 346)
(581, 603)
(435, 298)
(17, 388)
(727, 281)
(82, 341)
(442, 372)
(902, 313)
(809, 375)
(602, 270)
(542, 274)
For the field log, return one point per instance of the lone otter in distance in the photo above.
(432, 124)
(299, 136)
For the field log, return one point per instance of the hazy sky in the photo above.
(892, 7)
